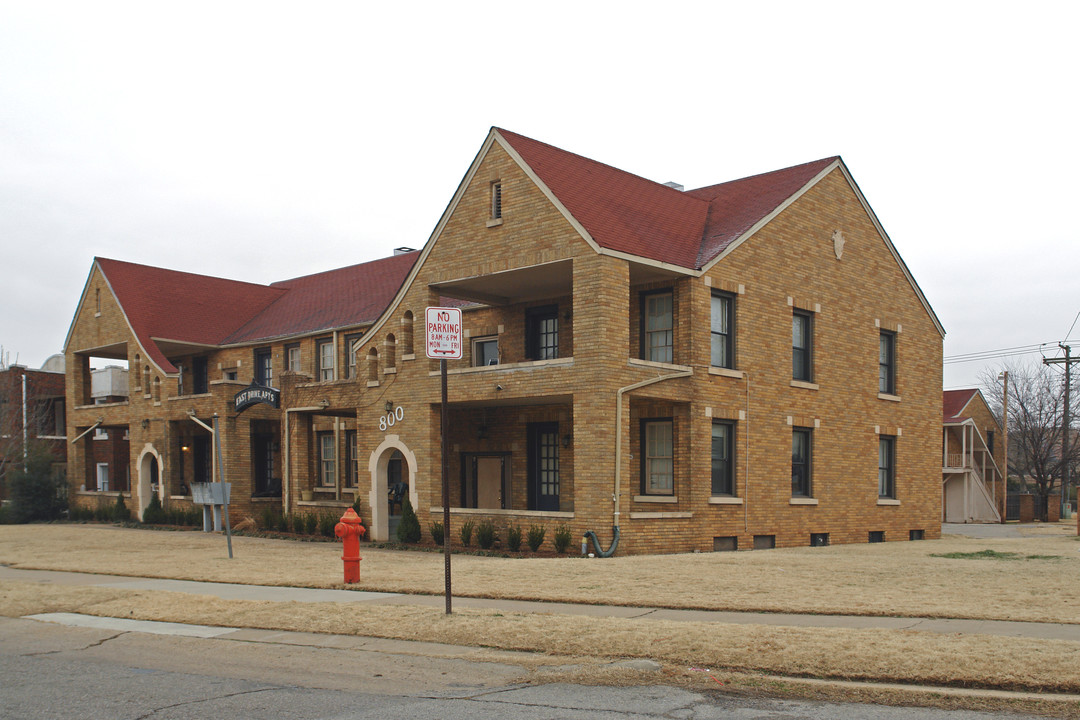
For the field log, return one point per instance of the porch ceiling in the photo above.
(512, 286)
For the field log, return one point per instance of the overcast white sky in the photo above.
(263, 141)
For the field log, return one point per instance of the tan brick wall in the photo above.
(859, 295)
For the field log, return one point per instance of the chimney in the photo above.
(403, 250)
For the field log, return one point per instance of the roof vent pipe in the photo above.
(674, 185)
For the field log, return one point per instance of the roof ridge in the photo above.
(668, 188)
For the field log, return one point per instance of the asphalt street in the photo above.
(52, 670)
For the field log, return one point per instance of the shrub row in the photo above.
(487, 534)
(273, 520)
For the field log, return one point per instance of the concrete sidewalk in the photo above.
(229, 591)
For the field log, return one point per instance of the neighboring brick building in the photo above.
(972, 459)
(637, 357)
(31, 412)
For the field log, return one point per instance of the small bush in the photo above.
(102, 513)
(194, 517)
(154, 514)
(267, 518)
(35, 491)
(5, 516)
(282, 523)
(436, 530)
(562, 538)
(513, 538)
(466, 532)
(311, 523)
(408, 529)
(120, 512)
(299, 523)
(535, 537)
(356, 505)
(326, 525)
(486, 534)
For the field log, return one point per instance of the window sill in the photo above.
(373, 383)
(390, 371)
(886, 396)
(803, 501)
(888, 501)
(408, 356)
(660, 515)
(725, 500)
(656, 499)
(725, 372)
(637, 362)
(805, 385)
(506, 366)
(323, 503)
(506, 513)
(181, 497)
(494, 222)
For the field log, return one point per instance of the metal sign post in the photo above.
(444, 340)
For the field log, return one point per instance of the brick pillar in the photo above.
(602, 345)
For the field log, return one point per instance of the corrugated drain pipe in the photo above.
(589, 534)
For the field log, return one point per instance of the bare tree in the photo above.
(1036, 425)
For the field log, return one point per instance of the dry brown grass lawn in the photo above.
(882, 655)
(903, 578)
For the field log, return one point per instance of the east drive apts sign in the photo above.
(443, 332)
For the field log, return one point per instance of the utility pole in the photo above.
(1068, 360)
(1005, 418)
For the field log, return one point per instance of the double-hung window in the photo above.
(542, 333)
(802, 346)
(657, 457)
(887, 364)
(657, 326)
(723, 465)
(886, 467)
(292, 358)
(324, 352)
(327, 459)
(350, 340)
(723, 326)
(801, 453)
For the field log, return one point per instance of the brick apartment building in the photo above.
(744, 365)
(31, 413)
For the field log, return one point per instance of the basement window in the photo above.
(764, 542)
(819, 539)
(877, 536)
(725, 544)
(915, 535)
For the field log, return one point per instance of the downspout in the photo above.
(589, 534)
(746, 457)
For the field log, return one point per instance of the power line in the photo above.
(993, 354)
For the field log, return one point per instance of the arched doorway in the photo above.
(149, 476)
(393, 468)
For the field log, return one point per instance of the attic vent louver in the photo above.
(675, 185)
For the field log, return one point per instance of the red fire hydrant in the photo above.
(350, 530)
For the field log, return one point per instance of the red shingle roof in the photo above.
(630, 214)
(336, 298)
(953, 403)
(191, 308)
